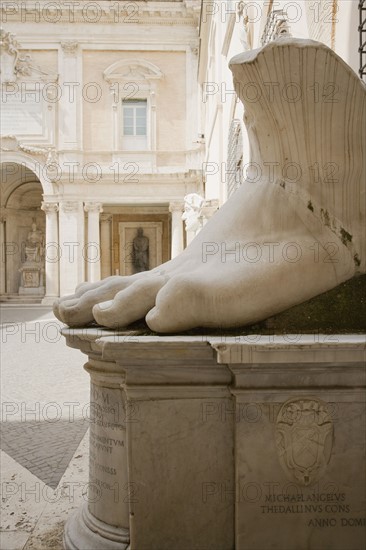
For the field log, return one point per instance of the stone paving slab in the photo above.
(44, 421)
(43, 448)
(33, 515)
(41, 378)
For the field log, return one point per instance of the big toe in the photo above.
(178, 306)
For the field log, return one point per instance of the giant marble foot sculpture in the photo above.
(296, 230)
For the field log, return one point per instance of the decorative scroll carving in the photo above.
(49, 207)
(14, 65)
(11, 143)
(277, 26)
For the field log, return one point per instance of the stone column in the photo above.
(52, 253)
(71, 231)
(2, 257)
(176, 209)
(106, 245)
(92, 248)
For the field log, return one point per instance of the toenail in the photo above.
(104, 305)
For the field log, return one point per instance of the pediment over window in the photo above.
(132, 70)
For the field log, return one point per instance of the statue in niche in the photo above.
(34, 246)
(32, 270)
(294, 231)
(140, 252)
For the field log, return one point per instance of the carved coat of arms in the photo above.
(304, 439)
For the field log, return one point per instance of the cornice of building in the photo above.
(138, 12)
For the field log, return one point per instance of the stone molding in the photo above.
(167, 13)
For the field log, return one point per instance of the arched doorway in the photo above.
(22, 234)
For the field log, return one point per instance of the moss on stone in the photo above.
(342, 310)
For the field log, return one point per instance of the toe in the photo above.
(130, 304)
(56, 310)
(77, 312)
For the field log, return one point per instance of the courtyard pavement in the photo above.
(44, 429)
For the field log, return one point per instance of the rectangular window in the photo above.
(134, 113)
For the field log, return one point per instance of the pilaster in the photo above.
(2, 255)
(70, 101)
(92, 247)
(177, 243)
(71, 231)
(52, 253)
(106, 245)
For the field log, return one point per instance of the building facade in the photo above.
(231, 27)
(98, 139)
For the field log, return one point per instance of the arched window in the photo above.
(234, 157)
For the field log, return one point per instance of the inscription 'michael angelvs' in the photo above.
(304, 439)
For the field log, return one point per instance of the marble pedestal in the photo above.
(31, 280)
(251, 443)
